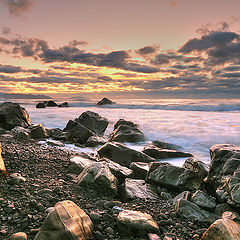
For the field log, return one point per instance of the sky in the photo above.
(137, 48)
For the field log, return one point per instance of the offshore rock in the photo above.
(41, 105)
(105, 101)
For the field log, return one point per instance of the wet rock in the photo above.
(51, 104)
(105, 101)
(66, 218)
(166, 145)
(120, 172)
(77, 133)
(222, 229)
(19, 236)
(134, 223)
(65, 104)
(221, 208)
(196, 166)
(12, 115)
(140, 169)
(93, 122)
(126, 131)
(94, 141)
(184, 195)
(171, 176)
(132, 189)
(41, 105)
(191, 211)
(78, 164)
(159, 153)
(121, 154)
(224, 173)
(98, 176)
(58, 134)
(202, 199)
(38, 132)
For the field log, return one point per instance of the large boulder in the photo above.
(168, 175)
(126, 131)
(95, 140)
(136, 223)
(99, 177)
(78, 164)
(223, 229)
(93, 122)
(132, 189)
(166, 145)
(224, 173)
(121, 154)
(38, 132)
(66, 221)
(58, 134)
(77, 133)
(105, 101)
(203, 200)
(12, 115)
(159, 153)
(193, 212)
(140, 169)
(65, 104)
(120, 172)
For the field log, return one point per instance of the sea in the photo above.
(193, 124)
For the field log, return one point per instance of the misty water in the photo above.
(195, 125)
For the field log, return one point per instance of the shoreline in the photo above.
(47, 168)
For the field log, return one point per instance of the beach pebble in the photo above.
(19, 236)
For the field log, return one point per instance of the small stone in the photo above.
(95, 216)
(98, 235)
(19, 236)
(165, 196)
(152, 236)
(109, 231)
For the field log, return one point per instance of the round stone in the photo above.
(19, 236)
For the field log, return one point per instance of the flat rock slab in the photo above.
(140, 169)
(202, 199)
(132, 189)
(167, 175)
(121, 154)
(191, 211)
(159, 153)
(134, 223)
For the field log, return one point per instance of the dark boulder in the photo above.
(12, 115)
(166, 145)
(41, 105)
(105, 101)
(126, 131)
(140, 169)
(51, 104)
(167, 175)
(95, 140)
(159, 153)
(65, 104)
(121, 154)
(38, 132)
(93, 121)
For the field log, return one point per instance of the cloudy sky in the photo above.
(160, 48)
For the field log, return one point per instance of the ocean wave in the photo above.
(176, 107)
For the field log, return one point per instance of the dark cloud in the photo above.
(160, 59)
(14, 69)
(18, 7)
(209, 27)
(135, 67)
(214, 39)
(147, 50)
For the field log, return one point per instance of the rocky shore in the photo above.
(119, 193)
